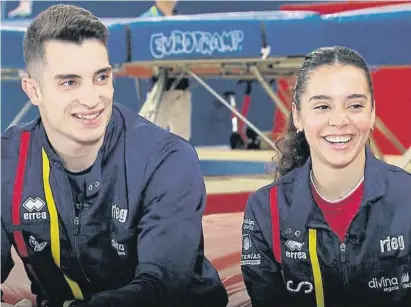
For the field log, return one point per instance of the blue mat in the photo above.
(382, 36)
(232, 168)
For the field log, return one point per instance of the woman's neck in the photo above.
(335, 183)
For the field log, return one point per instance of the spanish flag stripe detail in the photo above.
(318, 281)
(54, 224)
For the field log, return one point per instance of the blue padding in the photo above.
(294, 33)
(12, 34)
(381, 35)
(232, 168)
(117, 44)
(192, 37)
(12, 48)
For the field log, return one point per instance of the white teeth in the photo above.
(338, 139)
(90, 116)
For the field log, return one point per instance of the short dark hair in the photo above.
(293, 149)
(64, 23)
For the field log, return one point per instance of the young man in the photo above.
(103, 207)
(174, 110)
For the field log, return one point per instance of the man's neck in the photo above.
(166, 7)
(76, 157)
(335, 183)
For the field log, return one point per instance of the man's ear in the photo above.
(32, 89)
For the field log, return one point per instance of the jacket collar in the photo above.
(302, 204)
(111, 138)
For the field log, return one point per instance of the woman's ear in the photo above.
(372, 124)
(32, 89)
(296, 118)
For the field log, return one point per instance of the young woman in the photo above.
(334, 229)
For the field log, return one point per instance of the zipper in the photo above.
(76, 232)
(343, 266)
(76, 229)
(343, 252)
(343, 248)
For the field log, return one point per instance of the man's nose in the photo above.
(90, 97)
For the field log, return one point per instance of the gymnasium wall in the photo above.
(211, 122)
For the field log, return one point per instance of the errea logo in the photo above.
(294, 245)
(35, 209)
(294, 251)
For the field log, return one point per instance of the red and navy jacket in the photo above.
(291, 257)
(135, 240)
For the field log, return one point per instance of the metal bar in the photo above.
(280, 105)
(21, 114)
(160, 92)
(224, 102)
(139, 92)
(289, 62)
(406, 159)
(191, 88)
(226, 68)
(177, 80)
(390, 136)
(374, 147)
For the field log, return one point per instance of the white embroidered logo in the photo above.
(295, 250)
(405, 281)
(119, 214)
(392, 244)
(34, 208)
(121, 251)
(38, 247)
(307, 286)
(247, 242)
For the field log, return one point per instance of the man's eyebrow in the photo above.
(66, 76)
(103, 70)
(320, 97)
(74, 76)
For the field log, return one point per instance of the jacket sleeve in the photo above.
(262, 274)
(7, 262)
(170, 231)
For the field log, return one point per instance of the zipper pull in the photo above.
(342, 249)
(76, 223)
